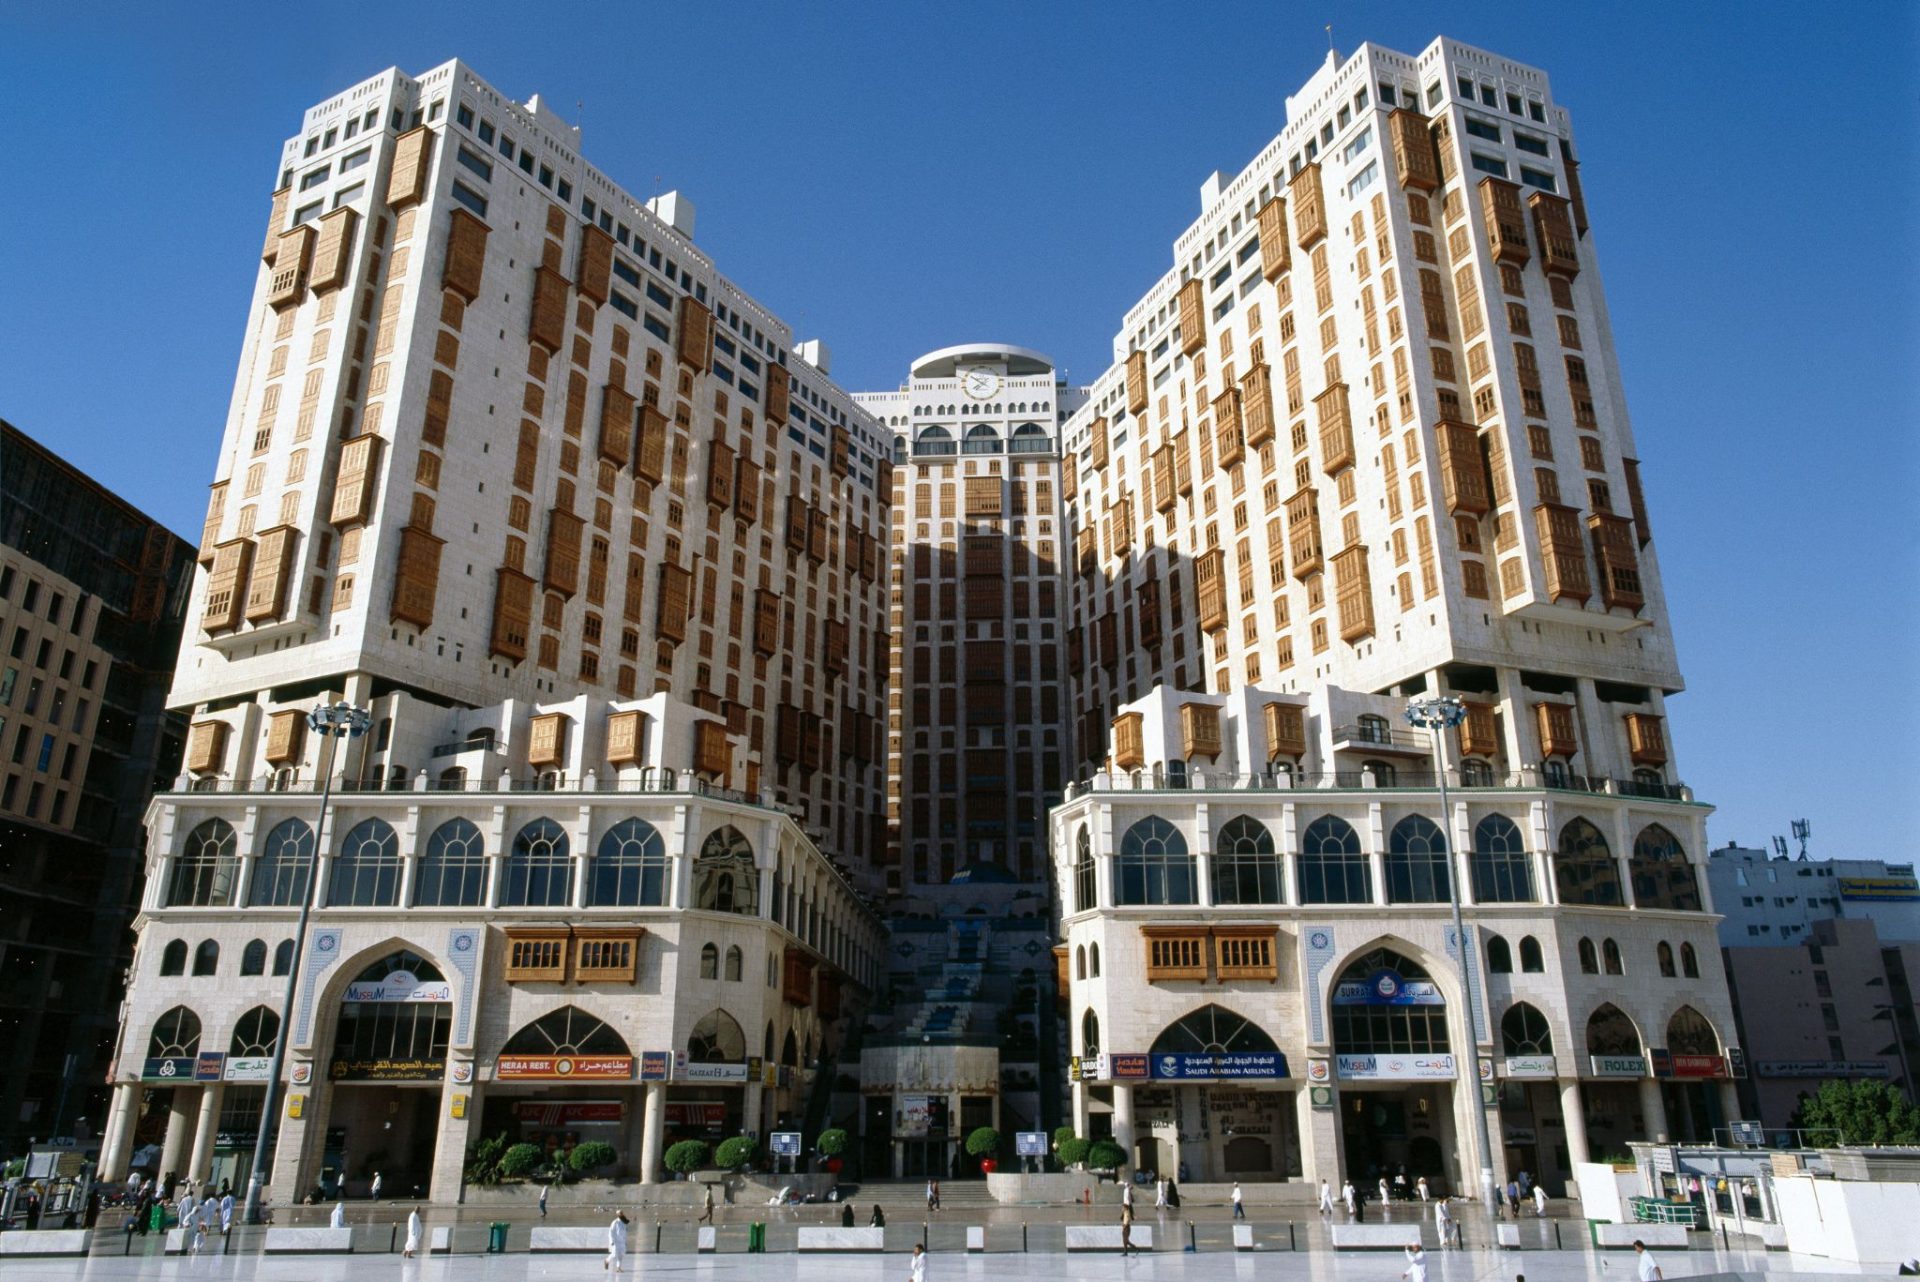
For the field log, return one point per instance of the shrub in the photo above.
(1061, 1134)
(733, 1153)
(687, 1156)
(1073, 1150)
(483, 1161)
(984, 1142)
(592, 1156)
(520, 1160)
(832, 1142)
(1105, 1155)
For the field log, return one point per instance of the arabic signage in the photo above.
(1405, 1068)
(1699, 1066)
(691, 1072)
(400, 986)
(548, 1068)
(1528, 1066)
(387, 1070)
(570, 1112)
(655, 1065)
(181, 1068)
(248, 1068)
(1386, 988)
(1882, 888)
(1616, 1066)
(1207, 1067)
(1822, 1068)
(1117, 1066)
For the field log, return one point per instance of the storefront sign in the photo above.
(1882, 888)
(387, 1070)
(1319, 1070)
(655, 1065)
(1030, 1143)
(1118, 1066)
(1737, 1061)
(1616, 1066)
(1406, 1068)
(1386, 988)
(1699, 1066)
(1242, 1065)
(1518, 1135)
(400, 986)
(696, 1114)
(1822, 1068)
(784, 1143)
(1528, 1066)
(248, 1068)
(1073, 1068)
(458, 1106)
(531, 1068)
(569, 1112)
(183, 1068)
(302, 1074)
(691, 1072)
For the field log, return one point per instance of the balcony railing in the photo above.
(1030, 445)
(981, 447)
(479, 742)
(1530, 778)
(658, 781)
(936, 447)
(1385, 736)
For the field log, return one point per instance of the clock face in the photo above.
(980, 383)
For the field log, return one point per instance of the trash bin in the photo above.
(756, 1239)
(497, 1237)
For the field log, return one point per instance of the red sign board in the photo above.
(1128, 1067)
(696, 1113)
(567, 1112)
(548, 1068)
(1699, 1066)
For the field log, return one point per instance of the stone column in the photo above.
(1081, 1112)
(452, 1134)
(633, 1132)
(1730, 1103)
(1654, 1110)
(1320, 1150)
(654, 1134)
(1573, 1116)
(200, 1165)
(290, 1173)
(116, 1144)
(753, 1109)
(1123, 1123)
(173, 1151)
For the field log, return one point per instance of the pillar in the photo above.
(1730, 1096)
(1320, 1155)
(1123, 1123)
(200, 1165)
(116, 1143)
(1573, 1116)
(452, 1136)
(753, 1109)
(654, 1132)
(289, 1171)
(1082, 1113)
(1653, 1110)
(173, 1151)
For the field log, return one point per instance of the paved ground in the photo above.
(1467, 1266)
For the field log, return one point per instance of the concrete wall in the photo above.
(1863, 1223)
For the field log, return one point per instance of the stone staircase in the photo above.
(909, 1197)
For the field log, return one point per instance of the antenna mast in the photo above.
(1801, 831)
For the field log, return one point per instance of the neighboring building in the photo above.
(1366, 441)
(1766, 900)
(92, 594)
(511, 464)
(1836, 1003)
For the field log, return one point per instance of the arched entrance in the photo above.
(1218, 1105)
(1394, 1057)
(387, 1065)
(1529, 1097)
(1695, 1065)
(1615, 1068)
(707, 1098)
(565, 1078)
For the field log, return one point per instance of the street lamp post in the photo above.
(1434, 715)
(330, 721)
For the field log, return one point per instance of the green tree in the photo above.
(735, 1152)
(591, 1156)
(1861, 1111)
(687, 1156)
(483, 1161)
(1073, 1150)
(984, 1142)
(1061, 1134)
(1105, 1155)
(832, 1142)
(520, 1160)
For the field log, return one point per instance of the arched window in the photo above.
(1476, 773)
(1385, 1003)
(1499, 956)
(1531, 960)
(1332, 869)
(1524, 1031)
(398, 1008)
(255, 1033)
(1584, 869)
(1246, 868)
(1212, 1030)
(766, 1052)
(1589, 959)
(283, 957)
(1153, 866)
(567, 1031)
(1662, 877)
(790, 1050)
(453, 870)
(1689, 963)
(253, 958)
(1502, 872)
(1084, 894)
(283, 871)
(366, 871)
(724, 878)
(717, 1039)
(176, 1035)
(1417, 863)
(173, 958)
(1373, 728)
(1663, 954)
(733, 962)
(1080, 962)
(1610, 958)
(539, 868)
(1689, 1033)
(709, 961)
(1610, 1032)
(1093, 961)
(206, 958)
(205, 868)
(630, 867)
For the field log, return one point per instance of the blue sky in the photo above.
(898, 177)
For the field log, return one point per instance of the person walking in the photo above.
(930, 1195)
(373, 1194)
(1513, 1197)
(616, 1260)
(1383, 1190)
(197, 1230)
(1160, 1195)
(413, 1234)
(878, 1220)
(1126, 1225)
(936, 1195)
(226, 1212)
(1648, 1270)
(1326, 1198)
(1348, 1196)
(1416, 1270)
(1239, 1206)
(917, 1265)
(1443, 1223)
(846, 1215)
(1420, 1188)
(543, 1200)
(338, 1220)
(186, 1204)
(706, 1207)
(1400, 1193)
(1539, 1203)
